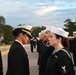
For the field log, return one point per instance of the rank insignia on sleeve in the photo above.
(64, 69)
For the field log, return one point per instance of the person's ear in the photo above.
(59, 39)
(21, 35)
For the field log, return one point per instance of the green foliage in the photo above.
(1, 28)
(19, 25)
(36, 30)
(70, 26)
(2, 20)
(6, 30)
(6, 41)
(8, 33)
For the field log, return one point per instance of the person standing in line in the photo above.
(18, 63)
(60, 62)
(40, 43)
(45, 53)
(32, 44)
(1, 65)
(35, 42)
(73, 47)
(39, 46)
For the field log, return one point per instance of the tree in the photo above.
(5, 31)
(19, 25)
(36, 30)
(69, 26)
(8, 37)
(1, 33)
(2, 20)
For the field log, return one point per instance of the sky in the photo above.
(38, 12)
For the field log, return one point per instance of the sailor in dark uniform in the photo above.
(1, 65)
(32, 44)
(40, 43)
(45, 53)
(73, 47)
(18, 63)
(60, 62)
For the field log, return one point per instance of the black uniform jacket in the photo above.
(73, 49)
(39, 46)
(60, 64)
(45, 54)
(73, 45)
(1, 66)
(18, 63)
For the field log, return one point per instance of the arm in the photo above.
(66, 67)
(17, 61)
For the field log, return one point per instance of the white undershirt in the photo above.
(55, 51)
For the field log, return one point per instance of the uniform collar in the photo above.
(56, 51)
(63, 49)
(19, 42)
